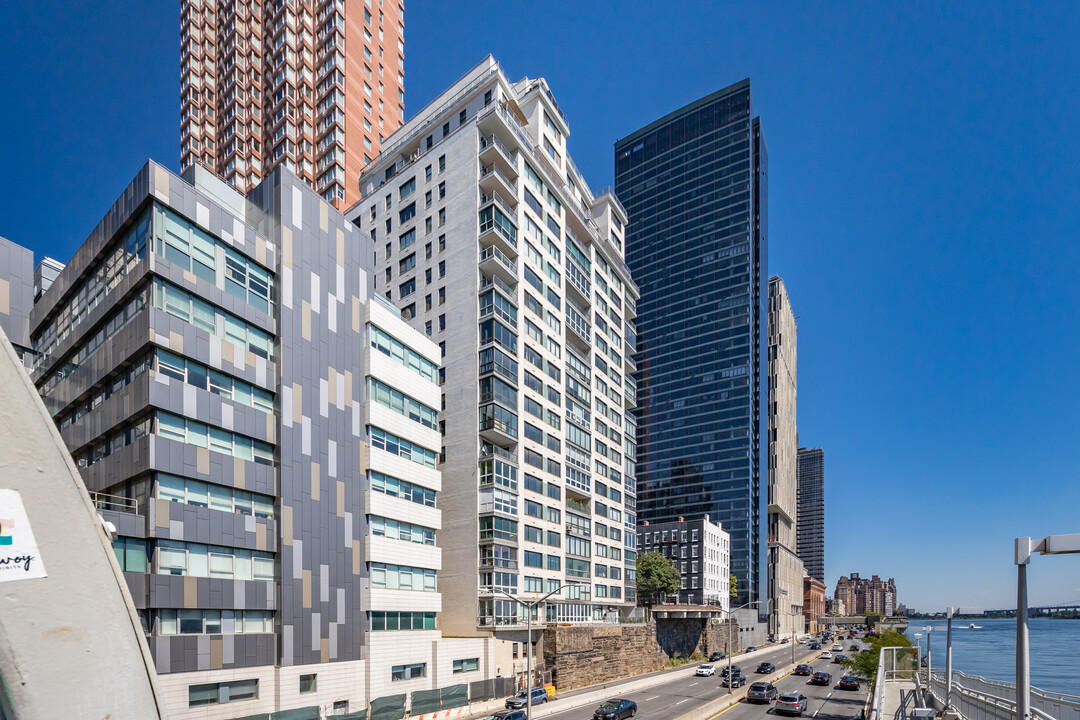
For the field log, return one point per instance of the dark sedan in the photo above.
(804, 670)
(765, 668)
(761, 692)
(507, 715)
(737, 680)
(735, 670)
(615, 710)
(717, 656)
(838, 658)
(821, 678)
(848, 682)
(752, 648)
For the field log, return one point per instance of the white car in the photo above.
(825, 654)
(705, 670)
(838, 648)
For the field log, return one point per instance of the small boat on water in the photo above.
(973, 626)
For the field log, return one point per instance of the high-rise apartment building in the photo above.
(491, 242)
(262, 433)
(859, 595)
(313, 85)
(811, 503)
(701, 550)
(695, 183)
(785, 567)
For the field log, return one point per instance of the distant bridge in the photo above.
(899, 623)
(1040, 610)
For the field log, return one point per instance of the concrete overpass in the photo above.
(875, 622)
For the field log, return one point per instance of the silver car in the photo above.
(792, 704)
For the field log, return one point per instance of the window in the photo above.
(402, 621)
(307, 683)
(427, 173)
(407, 189)
(442, 190)
(533, 559)
(396, 577)
(470, 665)
(383, 440)
(442, 268)
(217, 497)
(407, 213)
(216, 693)
(442, 163)
(393, 348)
(408, 672)
(442, 243)
(403, 404)
(401, 489)
(407, 288)
(442, 217)
(427, 199)
(407, 239)
(401, 530)
(461, 117)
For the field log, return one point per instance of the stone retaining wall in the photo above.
(580, 655)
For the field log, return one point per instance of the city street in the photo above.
(671, 699)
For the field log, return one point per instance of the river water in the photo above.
(990, 651)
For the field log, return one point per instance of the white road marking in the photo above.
(692, 684)
(652, 698)
(682, 701)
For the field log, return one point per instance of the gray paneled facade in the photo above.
(106, 326)
(16, 293)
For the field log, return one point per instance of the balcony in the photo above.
(493, 151)
(496, 228)
(630, 363)
(104, 501)
(494, 263)
(497, 424)
(578, 506)
(578, 282)
(492, 178)
(578, 531)
(491, 452)
(493, 282)
(575, 320)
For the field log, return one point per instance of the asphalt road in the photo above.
(680, 695)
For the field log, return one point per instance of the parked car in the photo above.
(539, 697)
(705, 670)
(804, 670)
(761, 692)
(735, 670)
(507, 715)
(736, 680)
(752, 648)
(717, 656)
(765, 668)
(826, 655)
(783, 641)
(839, 658)
(793, 704)
(848, 682)
(615, 709)
(821, 678)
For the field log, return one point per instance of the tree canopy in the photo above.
(656, 575)
(865, 663)
(733, 585)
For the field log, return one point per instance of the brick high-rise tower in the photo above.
(313, 85)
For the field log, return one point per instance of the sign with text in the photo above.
(19, 555)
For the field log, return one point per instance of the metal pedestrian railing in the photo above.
(978, 698)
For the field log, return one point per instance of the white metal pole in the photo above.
(528, 663)
(948, 658)
(1023, 669)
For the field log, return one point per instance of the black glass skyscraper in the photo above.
(811, 503)
(695, 183)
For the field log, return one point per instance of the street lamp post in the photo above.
(530, 606)
(1052, 545)
(929, 666)
(918, 654)
(731, 641)
(948, 656)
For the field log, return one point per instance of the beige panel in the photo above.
(286, 525)
(190, 277)
(356, 314)
(162, 515)
(356, 557)
(325, 650)
(286, 246)
(315, 472)
(227, 351)
(202, 461)
(161, 181)
(331, 385)
(305, 323)
(191, 592)
(250, 358)
(307, 589)
(348, 389)
(271, 429)
(176, 342)
(340, 257)
(239, 474)
(261, 532)
(297, 403)
(324, 222)
(215, 653)
(260, 250)
(340, 498)
(5, 297)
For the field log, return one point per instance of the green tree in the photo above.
(733, 585)
(656, 576)
(865, 663)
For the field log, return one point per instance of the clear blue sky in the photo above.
(924, 212)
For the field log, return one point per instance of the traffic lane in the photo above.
(785, 684)
(829, 702)
(669, 699)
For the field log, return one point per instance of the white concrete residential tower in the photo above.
(489, 240)
(785, 567)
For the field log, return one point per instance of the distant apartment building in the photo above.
(695, 183)
(785, 568)
(811, 514)
(491, 243)
(314, 86)
(866, 596)
(16, 295)
(263, 434)
(701, 550)
(814, 605)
